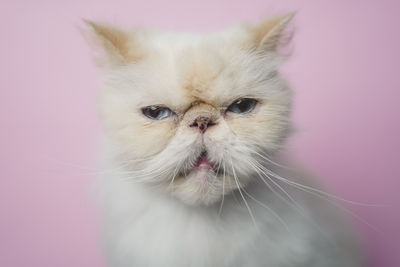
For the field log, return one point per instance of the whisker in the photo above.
(269, 209)
(175, 173)
(293, 203)
(223, 193)
(266, 157)
(240, 191)
(319, 192)
(355, 215)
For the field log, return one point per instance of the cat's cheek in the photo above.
(267, 127)
(246, 128)
(155, 137)
(143, 140)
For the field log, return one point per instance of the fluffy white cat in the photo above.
(191, 125)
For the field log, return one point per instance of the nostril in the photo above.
(202, 123)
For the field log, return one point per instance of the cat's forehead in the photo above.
(151, 67)
(187, 69)
(198, 72)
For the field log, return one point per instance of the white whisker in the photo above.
(223, 192)
(293, 203)
(319, 192)
(240, 192)
(306, 189)
(269, 209)
(265, 157)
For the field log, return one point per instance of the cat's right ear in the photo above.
(269, 34)
(113, 46)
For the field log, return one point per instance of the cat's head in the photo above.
(194, 113)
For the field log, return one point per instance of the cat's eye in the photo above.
(243, 105)
(157, 112)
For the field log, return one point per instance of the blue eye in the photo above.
(156, 112)
(243, 106)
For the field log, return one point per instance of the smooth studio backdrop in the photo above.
(344, 71)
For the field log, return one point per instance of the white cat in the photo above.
(191, 124)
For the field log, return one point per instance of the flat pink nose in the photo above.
(202, 123)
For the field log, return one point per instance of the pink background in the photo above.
(345, 72)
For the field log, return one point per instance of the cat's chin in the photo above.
(202, 173)
(201, 186)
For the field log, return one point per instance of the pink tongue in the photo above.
(204, 163)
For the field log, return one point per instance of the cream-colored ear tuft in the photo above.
(117, 45)
(268, 33)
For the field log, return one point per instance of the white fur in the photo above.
(158, 209)
(145, 226)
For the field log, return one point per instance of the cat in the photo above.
(192, 125)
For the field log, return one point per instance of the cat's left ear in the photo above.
(116, 46)
(269, 33)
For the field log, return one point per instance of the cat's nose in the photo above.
(202, 123)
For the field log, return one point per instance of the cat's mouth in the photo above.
(203, 162)
(202, 165)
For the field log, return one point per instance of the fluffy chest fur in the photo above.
(145, 227)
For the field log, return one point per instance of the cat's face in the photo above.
(194, 114)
